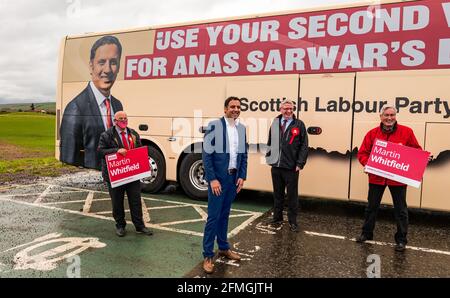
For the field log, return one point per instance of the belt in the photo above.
(232, 171)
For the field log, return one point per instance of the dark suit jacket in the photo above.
(216, 151)
(81, 128)
(110, 142)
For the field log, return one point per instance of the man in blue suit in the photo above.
(225, 162)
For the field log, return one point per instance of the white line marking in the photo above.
(44, 238)
(88, 203)
(202, 213)
(325, 235)
(43, 194)
(70, 202)
(442, 252)
(5, 188)
(38, 194)
(196, 220)
(98, 215)
(244, 254)
(174, 230)
(244, 224)
(145, 213)
(166, 207)
(147, 198)
(228, 262)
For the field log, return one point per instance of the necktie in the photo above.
(283, 125)
(108, 113)
(124, 141)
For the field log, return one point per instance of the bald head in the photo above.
(120, 115)
(121, 120)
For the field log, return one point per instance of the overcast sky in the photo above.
(30, 31)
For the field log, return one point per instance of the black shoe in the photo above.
(400, 246)
(144, 231)
(120, 232)
(294, 228)
(362, 238)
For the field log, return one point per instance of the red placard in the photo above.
(125, 169)
(397, 162)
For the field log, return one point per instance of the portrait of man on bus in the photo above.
(91, 112)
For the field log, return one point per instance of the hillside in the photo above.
(16, 107)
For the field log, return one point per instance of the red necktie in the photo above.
(124, 141)
(283, 125)
(108, 113)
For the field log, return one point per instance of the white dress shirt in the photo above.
(100, 98)
(233, 139)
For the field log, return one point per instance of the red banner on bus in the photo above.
(397, 162)
(396, 36)
(134, 166)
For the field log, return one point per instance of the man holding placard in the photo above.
(120, 139)
(389, 130)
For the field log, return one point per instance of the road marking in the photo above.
(227, 262)
(5, 188)
(76, 189)
(267, 229)
(43, 194)
(88, 203)
(197, 220)
(44, 238)
(244, 224)
(73, 202)
(145, 213)
(98, 215)
(202, 213)
(166, 207)
(39, 193)
(325, 235)
(48, 260)
(442, 252)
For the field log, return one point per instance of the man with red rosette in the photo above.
(287, 154)
(119, 139)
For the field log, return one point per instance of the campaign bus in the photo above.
(338, 64)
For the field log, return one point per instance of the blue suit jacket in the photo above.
(216, 151)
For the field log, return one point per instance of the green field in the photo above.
(32, 131)
(27, 147)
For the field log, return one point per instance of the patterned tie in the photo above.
(124, 141)
(283, 125)
(108, 113)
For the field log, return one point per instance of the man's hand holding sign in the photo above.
(397, 162)
(127, 166)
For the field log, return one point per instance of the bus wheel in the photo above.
(192, 177)
(156, 181)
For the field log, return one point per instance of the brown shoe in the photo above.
(230, 255)
(208, 265)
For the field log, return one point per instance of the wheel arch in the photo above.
(147, 142)
(193, 148)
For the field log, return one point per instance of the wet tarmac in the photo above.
(324, 246)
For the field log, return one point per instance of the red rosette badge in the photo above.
(295, 132)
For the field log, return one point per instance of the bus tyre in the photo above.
(156, 181)
(192, 177)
